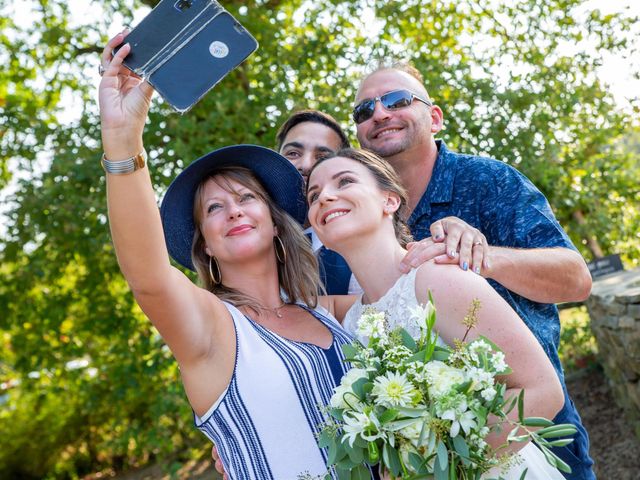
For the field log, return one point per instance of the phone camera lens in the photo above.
(184, 4)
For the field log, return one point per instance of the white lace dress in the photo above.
(396, 303)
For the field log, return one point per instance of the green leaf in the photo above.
(561, 430)
(509, 402)
(461, 448)
(391, 459)
(356, 454)
(361, 472)
(407, 340)
(388, 415)
(399, 424)
(521, 406)
(337, 413)
(324, 439)
(439, 354)
(343, 473)
(563, 442)
(418, 356)
(416, 461)
(412, 412)
(536, 422)
(442, 455)
(349, 350)
(359, 389)
(332, 453)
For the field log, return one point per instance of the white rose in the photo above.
(441, 378)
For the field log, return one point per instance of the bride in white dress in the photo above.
(355, 203)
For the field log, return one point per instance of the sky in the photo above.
(615, 70)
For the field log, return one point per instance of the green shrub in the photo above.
(578, 347)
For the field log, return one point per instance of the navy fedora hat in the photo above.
(278, 176)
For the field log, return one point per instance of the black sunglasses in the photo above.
(393, 100)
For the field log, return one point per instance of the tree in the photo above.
(80, 355)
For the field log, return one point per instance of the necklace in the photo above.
(275, 310)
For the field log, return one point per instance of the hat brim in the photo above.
(278, 176)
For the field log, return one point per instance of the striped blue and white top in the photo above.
(265, 424)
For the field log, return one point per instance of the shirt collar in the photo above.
(316, 244)
(440, 188)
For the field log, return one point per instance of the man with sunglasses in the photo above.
(478, 207)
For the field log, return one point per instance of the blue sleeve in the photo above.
(516, 214)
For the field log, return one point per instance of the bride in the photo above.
(355, 206)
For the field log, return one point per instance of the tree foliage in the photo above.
(87, 382)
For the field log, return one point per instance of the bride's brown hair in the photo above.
(387, 180)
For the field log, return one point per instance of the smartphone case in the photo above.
(185, 47)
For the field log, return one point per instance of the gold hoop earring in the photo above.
(282, 257)
(216, 281)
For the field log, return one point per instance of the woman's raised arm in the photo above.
(181, 311)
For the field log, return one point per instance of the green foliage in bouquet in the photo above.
(421, 409)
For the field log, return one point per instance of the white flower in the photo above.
(442, 378)
(481, 378)
(499, 363)
(420, 313)
(488, 394)
(477, 441)
(363, 425)
(466, 421)
(371, 324)
(416, 371)
(394, 356)
(412, 431)
(455, 409)
(479, 346)
(343, 396)
(393, 390)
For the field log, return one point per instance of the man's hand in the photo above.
(218, 463)
(452, 241)
(465, 245)
(421, 252)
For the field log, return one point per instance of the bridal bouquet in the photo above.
(421, 409)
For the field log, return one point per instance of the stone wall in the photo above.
(614, 308)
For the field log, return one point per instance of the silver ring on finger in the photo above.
(100, 69)
(477, 242)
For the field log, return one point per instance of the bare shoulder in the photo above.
(449, 283)
(337, 305)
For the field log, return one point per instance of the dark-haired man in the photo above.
(307, 136)
(304, 138)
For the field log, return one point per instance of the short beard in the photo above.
(386, 151)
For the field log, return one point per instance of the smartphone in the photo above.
(185, 47)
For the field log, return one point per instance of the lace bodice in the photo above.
(397, 302)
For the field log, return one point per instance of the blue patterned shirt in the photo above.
(509, 210)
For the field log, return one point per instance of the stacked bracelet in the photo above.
(124, 167)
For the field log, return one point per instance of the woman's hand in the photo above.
(124, 100)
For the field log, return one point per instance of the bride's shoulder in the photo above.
(436, 277)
